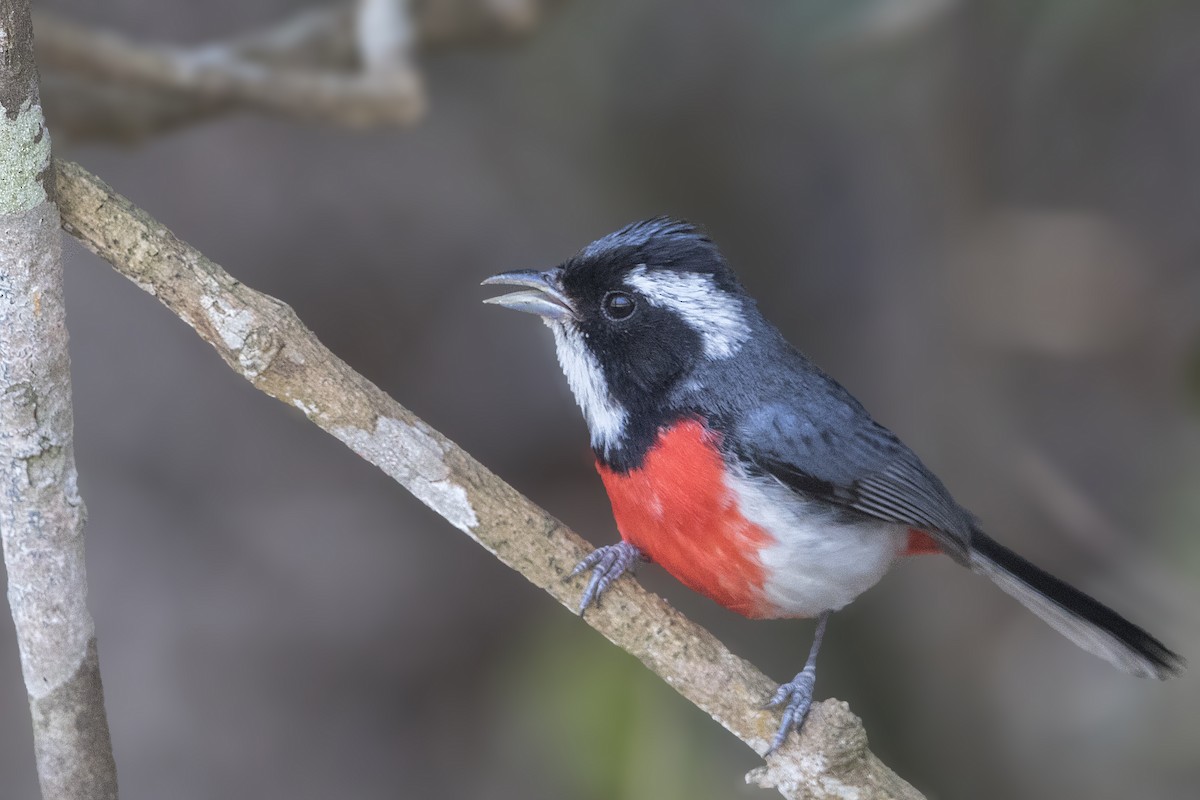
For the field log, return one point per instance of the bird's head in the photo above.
(633, 314)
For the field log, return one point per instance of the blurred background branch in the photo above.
(348, 64)
(217, 73)
(264, 341)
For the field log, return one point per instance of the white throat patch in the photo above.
(716, 316)
(605, 416)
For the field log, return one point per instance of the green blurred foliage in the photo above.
(614, 730)
(1191, 374)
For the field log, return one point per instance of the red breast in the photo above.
(678, 509)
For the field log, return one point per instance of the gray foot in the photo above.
(607, 564)
(796, 698)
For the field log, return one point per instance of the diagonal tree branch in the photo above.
(41, 512)
(263, 340)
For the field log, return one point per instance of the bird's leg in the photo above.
(607, 564)
(797, 694)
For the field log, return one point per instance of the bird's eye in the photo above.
(618, 305)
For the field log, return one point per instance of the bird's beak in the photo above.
(544, 295)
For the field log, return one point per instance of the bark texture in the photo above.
(41, 513)
(262, 339)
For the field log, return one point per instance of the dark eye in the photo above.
(618, 305)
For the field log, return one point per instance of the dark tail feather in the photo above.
(1086, 622)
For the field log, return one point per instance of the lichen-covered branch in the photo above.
(344, 63)
(41, 513)
(262, 339)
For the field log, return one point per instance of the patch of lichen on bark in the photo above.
(24, 157)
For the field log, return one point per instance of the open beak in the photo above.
(544, 295)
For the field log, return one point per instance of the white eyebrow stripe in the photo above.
(714, 314)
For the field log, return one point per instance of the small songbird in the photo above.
(745, 471)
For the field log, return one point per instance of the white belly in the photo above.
(818, 561)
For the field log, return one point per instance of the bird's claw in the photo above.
(607, 564)
(796, 697)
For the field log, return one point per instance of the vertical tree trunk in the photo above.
(41, 513)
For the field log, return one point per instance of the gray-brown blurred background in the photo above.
(981, 216)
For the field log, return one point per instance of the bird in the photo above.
(754, 478)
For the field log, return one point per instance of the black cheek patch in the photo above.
(648, 354)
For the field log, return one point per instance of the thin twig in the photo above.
(41, 512)
(262, 339)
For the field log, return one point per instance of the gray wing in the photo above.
(830, 448)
